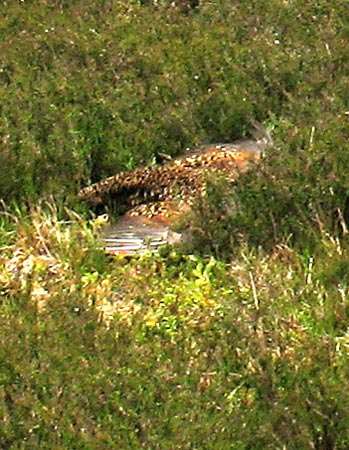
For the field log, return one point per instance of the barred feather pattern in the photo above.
(152, 197)
(182, 177)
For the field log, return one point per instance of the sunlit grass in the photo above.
(247, 345)
(238, 342)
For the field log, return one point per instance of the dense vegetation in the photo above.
(240, 340)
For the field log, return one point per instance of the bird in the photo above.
(150, 199)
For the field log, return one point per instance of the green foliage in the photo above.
(91, 88)
(175, 351)
(295, 195)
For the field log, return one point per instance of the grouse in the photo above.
(150, 198)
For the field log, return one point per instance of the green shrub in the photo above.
(297, 193)
(169, 353)
(92, 88)
(175, 351)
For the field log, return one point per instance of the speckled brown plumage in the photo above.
(146, 190)
(152, 198)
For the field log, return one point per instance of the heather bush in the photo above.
(241, 342)
(177, 352)
(91, 88)
(297, 193)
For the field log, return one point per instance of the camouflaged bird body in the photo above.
(151, 191)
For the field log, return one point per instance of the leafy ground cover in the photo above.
(90, 88)
(239, 341)
(169, 351)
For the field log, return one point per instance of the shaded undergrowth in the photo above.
(169, 351)
(92, 88)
